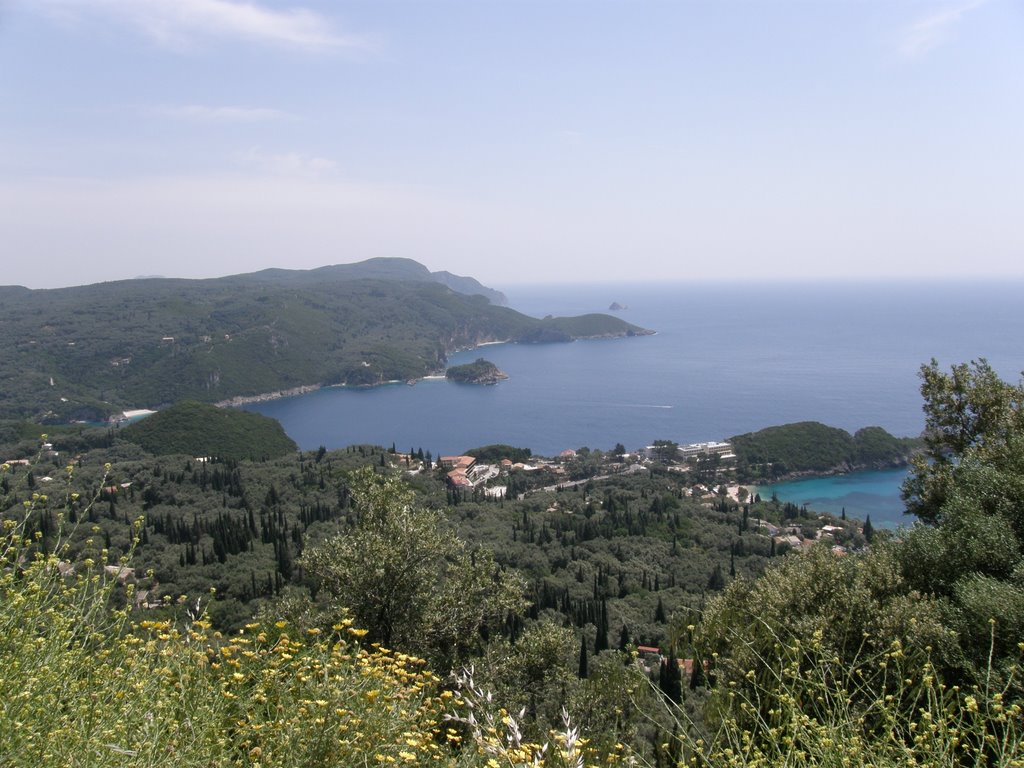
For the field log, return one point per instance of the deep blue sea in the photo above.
(727, 358)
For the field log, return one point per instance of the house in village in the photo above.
(463, 471)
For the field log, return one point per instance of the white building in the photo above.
(699, 450)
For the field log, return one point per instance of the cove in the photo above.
(875, 493)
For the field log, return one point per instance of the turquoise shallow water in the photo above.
(875, 493)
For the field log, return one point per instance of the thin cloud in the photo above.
(200, 113)
(571, 138)
(933, 30)
(289, 164)
(179, 23)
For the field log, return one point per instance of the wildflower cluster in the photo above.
(80, 683)
(497, 735)
(802, 707)
(158, 694)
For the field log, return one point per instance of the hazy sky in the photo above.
(513, 141)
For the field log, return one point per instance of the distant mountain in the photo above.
(379, 269)
(470, 287)
(85, 353)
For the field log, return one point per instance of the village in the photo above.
(710, 464)
(501, 472)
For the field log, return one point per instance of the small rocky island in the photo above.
(480, 372)
(616, 307)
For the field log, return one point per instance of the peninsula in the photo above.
(89, 352)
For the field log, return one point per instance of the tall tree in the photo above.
(582, 672)
(969, 409)
(407, 578)
(670, 679)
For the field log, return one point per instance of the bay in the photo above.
(726, 359)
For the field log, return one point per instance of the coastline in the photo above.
(872, 492)
(837, 471)
(264, 397)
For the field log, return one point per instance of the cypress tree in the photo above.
(582, 672)
(716, 582)
(697, 678)
(670, 680)
(659, 613)
(601, 642)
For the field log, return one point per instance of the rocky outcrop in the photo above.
(480, 372)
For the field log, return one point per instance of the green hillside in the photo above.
(198, 429)
(810, 446)
(84, 353)
(269, 609)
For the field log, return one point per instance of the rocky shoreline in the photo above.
(264, 397)
(480, 372)
(842, 469)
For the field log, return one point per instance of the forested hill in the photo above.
(201, 430)
(83, 353)
(812, 447)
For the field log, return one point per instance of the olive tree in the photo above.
(406, 578)
(969, 412)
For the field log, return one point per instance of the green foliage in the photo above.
(197, 429)
(873, 446)
(969, 486)
(617, 546)
(81, 684)
(492, 454)
(534, 673)
(917, 630)
(853, 606)
(406, 577)
(666, 451)
(907, 653)
(813, 447)
(811, 709)
(969, 412)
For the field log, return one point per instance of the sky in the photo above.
(515, 141)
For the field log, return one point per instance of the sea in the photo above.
(727, 358)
